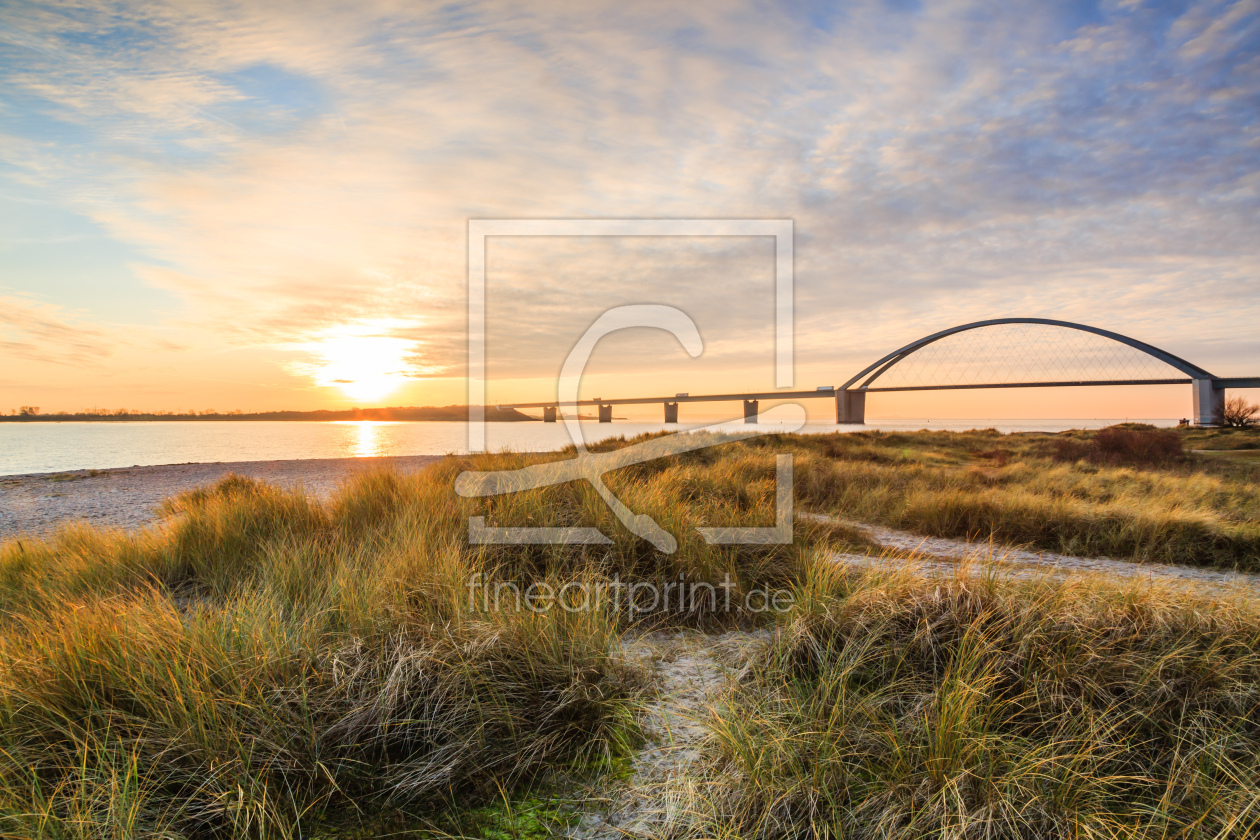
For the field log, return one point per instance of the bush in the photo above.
(1240, 414)
(1120, 446)
(1154, 446)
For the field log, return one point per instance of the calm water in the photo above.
(57, 447)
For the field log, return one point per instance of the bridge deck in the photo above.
(1208, 391)
(808, 395)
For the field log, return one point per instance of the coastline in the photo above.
(35, 504)
(394, 414)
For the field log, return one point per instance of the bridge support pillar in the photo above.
(750, 411)
(851, 407)
(549, 413)
(1209, 402)
(671, 412)
(605, 413)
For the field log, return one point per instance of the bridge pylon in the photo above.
(850, 407)
(1208, 399)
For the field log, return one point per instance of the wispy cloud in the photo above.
(293, 170)
(42, 333)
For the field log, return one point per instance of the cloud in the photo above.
(39, 332)
(294, 169)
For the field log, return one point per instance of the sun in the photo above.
(362, 360)
(364, 367)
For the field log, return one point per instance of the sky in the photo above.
(265, 205)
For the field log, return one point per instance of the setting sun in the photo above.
(362, 360)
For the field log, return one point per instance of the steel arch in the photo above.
(882, 366)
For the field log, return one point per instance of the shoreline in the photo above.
(52, 418)
(36, 504)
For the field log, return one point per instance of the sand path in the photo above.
(942, 555)
(692, 670)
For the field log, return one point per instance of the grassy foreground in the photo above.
(891, 707)
(262, 665)
(265, 666)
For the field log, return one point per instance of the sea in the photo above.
(52, 447)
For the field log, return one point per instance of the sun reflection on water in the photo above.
(366, 438)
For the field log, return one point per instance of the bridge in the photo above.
(1025, 361)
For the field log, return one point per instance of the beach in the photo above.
(37, 503)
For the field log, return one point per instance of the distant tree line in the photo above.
(30, 413)
(33, 411)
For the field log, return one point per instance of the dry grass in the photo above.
(895, 707)
(263, 665)
(1199, 511)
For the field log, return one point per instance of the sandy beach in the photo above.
(128, 498)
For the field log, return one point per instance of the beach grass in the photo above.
(1192, 509)
(264, 664)
(892, 706)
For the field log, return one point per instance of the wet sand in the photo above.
(128, 498)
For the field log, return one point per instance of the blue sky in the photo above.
(200, 202)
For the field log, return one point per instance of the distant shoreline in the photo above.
(436, 414)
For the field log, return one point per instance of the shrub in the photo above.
(1120, 446)
(1240, 414)
(999, 457)
(1139, 447)
(1070, 450)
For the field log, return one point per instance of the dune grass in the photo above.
(265, 665)
(1194, 510)
(262, 665)
(897, 707)
(1221, 439)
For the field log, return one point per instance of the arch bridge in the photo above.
(1034, 358)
